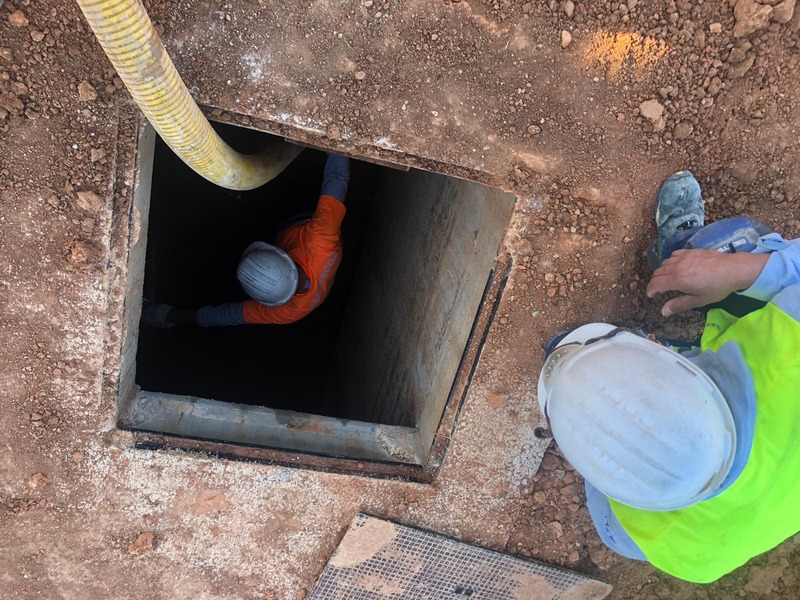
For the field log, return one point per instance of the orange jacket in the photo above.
(316, 246)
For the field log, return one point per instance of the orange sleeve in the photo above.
(328, 217)
(256, 313)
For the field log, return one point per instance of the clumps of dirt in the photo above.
(555, 522)
(683, 64)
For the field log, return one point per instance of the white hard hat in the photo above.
(267, 274)
(641, 423)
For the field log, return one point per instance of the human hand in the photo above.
(704, 276)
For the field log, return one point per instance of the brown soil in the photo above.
(474, 89)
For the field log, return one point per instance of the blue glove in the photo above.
(336, 177)
(155, 314)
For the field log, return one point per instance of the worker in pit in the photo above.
(691, 456)
(285, 281)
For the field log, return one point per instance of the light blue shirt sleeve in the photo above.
(608, 527)
(782, 270)
(222, 315)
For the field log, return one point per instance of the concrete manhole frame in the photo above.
(315, 442)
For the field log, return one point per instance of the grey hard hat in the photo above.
(267, 274)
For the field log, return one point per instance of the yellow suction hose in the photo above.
(129, 39)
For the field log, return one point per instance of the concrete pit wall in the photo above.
(430, 247)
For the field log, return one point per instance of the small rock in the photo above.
(6, 54)
(750, 17)
(37, 480)
(11, 103)
(683, 130)
(592, 194)
(80, 252)
(700, 38)
(715, 28)
(368, 3)
(534, 129)
(556, 528)
(333, 132)
(783, 12)
(144, 542)
(653, 111)
(569, 8)
(566, 38)
(96, 154)
(37, 36)
(36, 416)
(88, 200)
(632, 4)
(738, 70)
(541, 497)
(739, 53)
(18, 19)
(360, 75)
(574, 556)
(86, 91)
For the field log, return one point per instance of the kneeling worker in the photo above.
(691, 455)
(286, 281)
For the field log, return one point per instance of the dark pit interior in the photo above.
(385, 347)
(197, 232)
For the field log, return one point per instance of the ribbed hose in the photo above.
(129, 39)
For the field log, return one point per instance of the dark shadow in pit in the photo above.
(197, 232)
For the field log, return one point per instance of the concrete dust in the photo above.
(533, 587)
(587, 589)
(363, 543)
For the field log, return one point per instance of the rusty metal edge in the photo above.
(273, 456)
(370, 159)
(487, 310)
(490, 302)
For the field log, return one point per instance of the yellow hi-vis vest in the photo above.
(761, 509)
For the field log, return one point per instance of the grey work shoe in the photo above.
(679, 207)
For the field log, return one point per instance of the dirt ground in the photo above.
(581, 109)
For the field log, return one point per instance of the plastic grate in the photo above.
(379, 559)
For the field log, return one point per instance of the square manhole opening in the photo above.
(368, 376)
